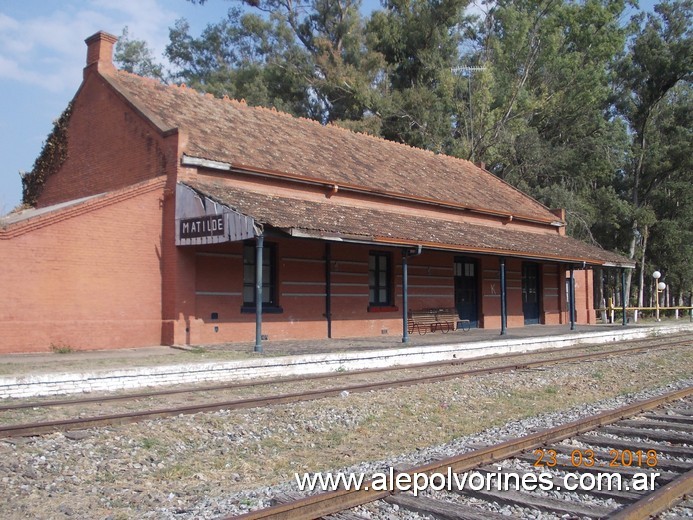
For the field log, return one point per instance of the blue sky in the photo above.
(42, 53)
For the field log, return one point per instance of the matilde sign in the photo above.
(198, 227)
(201, 220)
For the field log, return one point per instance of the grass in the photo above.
(59, 348)
(149, 443)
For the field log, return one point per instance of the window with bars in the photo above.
(269, 282)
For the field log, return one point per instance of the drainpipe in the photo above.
(571, 298)
(258, 292)
(405, 291)
(328, 288)
(504, 303)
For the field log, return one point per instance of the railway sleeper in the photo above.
(656, 425)
(623, 497)
(440, 508)
(608, 442)
(287, 498)
(655, 435)
(686, 419)
(605, 457)
(683, 411)
(541, 503)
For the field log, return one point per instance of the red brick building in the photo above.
(151, 230)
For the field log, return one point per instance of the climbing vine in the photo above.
(49, 161)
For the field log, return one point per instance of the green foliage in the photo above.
(566, 100)
(60, 348)
(135, 56)
(49, 161)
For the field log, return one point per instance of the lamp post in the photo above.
(659, 286)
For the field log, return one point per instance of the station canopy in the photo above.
(303, 218)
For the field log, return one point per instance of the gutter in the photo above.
(382, 241)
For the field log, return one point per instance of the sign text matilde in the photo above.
(198, 227)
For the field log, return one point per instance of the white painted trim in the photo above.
(215, 293)
(128, 378)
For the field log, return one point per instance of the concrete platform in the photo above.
(29, 375)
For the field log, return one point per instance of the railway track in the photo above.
(44, 427)
(643, 451)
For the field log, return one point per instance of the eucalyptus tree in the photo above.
(308, 59)
(542, 103)
(137, 57)
(420, 42)
(659, 57)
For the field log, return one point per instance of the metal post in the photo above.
(258, 292)
(405, 297)
(328, 288)
(657, 300)
(624, 300)
(571, 298)
(504, 304)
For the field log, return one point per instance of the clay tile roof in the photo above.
(231, 132)
(326, 219)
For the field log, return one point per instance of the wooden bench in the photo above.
(432, 320)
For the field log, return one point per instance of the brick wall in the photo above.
(584, 296)
(110, 146)
(85, 277)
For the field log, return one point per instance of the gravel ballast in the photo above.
(213, 464)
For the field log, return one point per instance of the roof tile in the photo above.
(230, 131)
(330, 219)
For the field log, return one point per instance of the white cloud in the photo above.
(46, 48)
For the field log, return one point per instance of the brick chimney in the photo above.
(100, 51)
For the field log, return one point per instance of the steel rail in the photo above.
(321, 504)
(335, 375)
(659, 501)
(39, 428)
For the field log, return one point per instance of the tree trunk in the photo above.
(601, 302)
(641, 288)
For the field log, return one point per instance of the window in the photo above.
(269, 277)
(464, 268)
(380, 279)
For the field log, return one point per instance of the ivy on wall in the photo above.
(49, 161)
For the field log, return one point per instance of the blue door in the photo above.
(530, 293)
(466, 290)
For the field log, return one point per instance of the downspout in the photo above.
(328, 288)
(258, 292)
(624, 302)
(504, 303)
(405, 291)
(571, 298)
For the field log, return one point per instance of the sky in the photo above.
(42, 54)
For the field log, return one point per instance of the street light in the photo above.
(659, 286)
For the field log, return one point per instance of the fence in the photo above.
(610, 313)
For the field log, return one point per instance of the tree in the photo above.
(670, 155)
(420, 43)
(541, 106)
(309, 60)
(135, 56)
(660, 56)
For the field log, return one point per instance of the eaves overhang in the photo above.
(332, 221)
